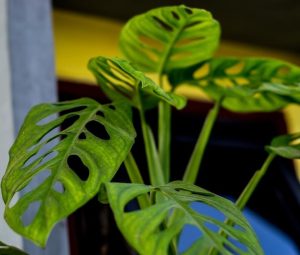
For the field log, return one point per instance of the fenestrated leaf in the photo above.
(119, 80)
(287, 146)
(143, 228)
(166, 38)
(245, 84)
(10, 250)
(95, 139)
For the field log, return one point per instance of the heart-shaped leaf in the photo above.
(245, 84)
(64, 166)
(144, 229)
(10, 250)
(287, 146)
(166, 38)
(120, 81)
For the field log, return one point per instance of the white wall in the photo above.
(6, 119)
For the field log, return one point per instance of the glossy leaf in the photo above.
(120, 81)
(245, 84)
(287, 146)
(10, 250)
(166, 38)
(143, 228)
(73, 161)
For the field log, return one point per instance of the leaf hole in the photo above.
(148, 41)
(163, 24)
(236, 68)
(50, 135)
(175, 15)
(47, 119)
(112, 107)
(97, 129)
(35, 182)
(188, 236)
(43, 160)
(14, 200)
(235, 247)
(283, 71)
(132, 206)
(69, 121)
(78, 167)
(295, 141)
(211, 226)
(208, 210)
(188, 10)
(202, 71)
(187, 41)
(82, 136)
(59, 187)
(30, 213)
(100, 114)
(35, 158)
(192, 24)
(224, 82)
(180, 55)
(73, 110)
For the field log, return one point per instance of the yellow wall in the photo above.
(79, 37)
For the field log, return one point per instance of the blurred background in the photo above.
(44, 50)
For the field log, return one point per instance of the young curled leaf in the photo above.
(146, 229)
(286, 146)
(167, 38)
(121, 81)
(62, 155)
(244, 84)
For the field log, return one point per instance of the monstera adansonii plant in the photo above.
(176, 43)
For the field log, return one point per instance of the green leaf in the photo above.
(142, 228)
(120, 81)
(166, 38)
(10, 250)
(72, 161)
(287, 146)
(245, 84)
(200, 247)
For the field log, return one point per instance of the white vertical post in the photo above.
(33, 81)
(6, 120)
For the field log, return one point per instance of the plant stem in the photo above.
(154, 167)
(191, 172)
(246, 193)
(164, 135)
(135, 177)
(252, 184)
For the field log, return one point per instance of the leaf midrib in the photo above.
(166, 55)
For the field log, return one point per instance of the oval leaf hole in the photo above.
(75, 109)
(100, 113)
(69, 121)
(14, 200)
(163, 24)
(59, 187)
(30, 213)
(82, 136)
(97, 129)
(35, 182)
(188, 11)
(75, 163)
(175, 15)
(47, 119)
